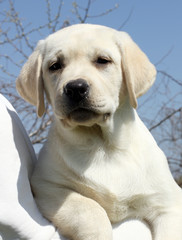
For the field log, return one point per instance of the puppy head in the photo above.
(83, 69)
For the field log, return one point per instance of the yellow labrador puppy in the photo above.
(100, 165)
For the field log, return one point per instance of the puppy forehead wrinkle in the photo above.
(87, 49)
(54, 55)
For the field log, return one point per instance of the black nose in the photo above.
(77, 90)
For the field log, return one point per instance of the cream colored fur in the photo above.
(107, 167)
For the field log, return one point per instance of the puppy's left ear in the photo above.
(139, 73)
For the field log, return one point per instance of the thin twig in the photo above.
(164, 57)
(166, 118)
(126, 20)
(170, 77)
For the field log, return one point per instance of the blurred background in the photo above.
(156, 26)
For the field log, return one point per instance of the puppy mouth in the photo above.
(82, 115)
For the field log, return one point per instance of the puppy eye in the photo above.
(56, 66)
(103, 60)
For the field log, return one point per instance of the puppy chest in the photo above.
(119, 195)
(111, 180)
(118, 207)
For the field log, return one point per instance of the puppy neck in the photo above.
(115, 131)
(121, 125)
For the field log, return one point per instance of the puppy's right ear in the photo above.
(139, 73)
(29, 84)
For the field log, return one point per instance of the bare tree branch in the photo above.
(166, 118)
(105, 12)
(164, 57)
(86, 10)
(126, 20)
(53, 22)
(169, 76)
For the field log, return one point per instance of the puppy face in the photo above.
(86, 71)
(82, 75)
